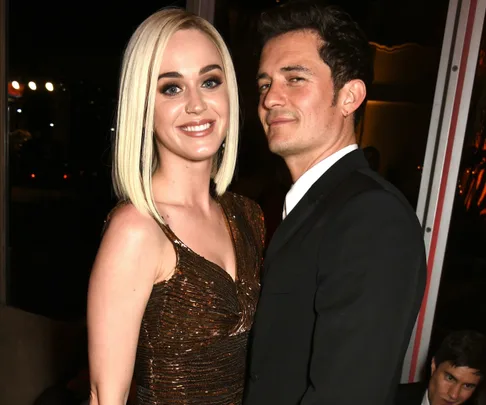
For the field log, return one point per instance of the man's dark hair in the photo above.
(344, 49)
(466, 348)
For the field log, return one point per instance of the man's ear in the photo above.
(432, 366)
(352, 96)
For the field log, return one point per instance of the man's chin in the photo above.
(277, 148)
(442, 401)
(281, 149)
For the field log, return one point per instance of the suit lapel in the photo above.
(308, 205)
(309, 202)
(288, 226)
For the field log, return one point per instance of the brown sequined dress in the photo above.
(193, 338)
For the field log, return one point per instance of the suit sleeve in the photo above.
(370, 284)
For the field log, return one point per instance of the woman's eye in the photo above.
(171, 90)
(211, 83)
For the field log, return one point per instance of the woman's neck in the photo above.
(186, 184)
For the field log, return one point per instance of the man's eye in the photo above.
(448, 377)
(263, 87)
(296, 79)
(171, 90)
(211, 83)
(469, 386)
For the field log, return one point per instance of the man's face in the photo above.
(297, 107)
(451, 385)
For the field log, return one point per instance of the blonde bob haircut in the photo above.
(135, 156)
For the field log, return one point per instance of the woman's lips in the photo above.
(197, 128)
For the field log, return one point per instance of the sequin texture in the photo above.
(194, 332)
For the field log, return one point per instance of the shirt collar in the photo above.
(425, 399)
(305, 182)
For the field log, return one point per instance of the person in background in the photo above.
(457, 371)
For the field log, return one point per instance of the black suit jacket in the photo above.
(342, 284)
(410, 394)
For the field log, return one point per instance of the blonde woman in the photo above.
(175, 283)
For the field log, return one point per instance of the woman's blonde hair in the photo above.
(135, 156)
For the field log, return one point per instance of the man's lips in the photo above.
(279, 121)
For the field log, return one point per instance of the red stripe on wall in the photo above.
(443, 184)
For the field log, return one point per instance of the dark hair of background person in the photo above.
(463, 349)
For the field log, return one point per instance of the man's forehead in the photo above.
(284, 63)
(295, 37)
(291, 44)
(278, 59)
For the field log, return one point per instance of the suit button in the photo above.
(254, 376)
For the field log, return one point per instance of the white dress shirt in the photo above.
(305, 182)
(425, 399)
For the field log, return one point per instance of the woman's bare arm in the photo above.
(133, 255)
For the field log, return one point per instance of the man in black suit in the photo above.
(457, 369)
(344, 273)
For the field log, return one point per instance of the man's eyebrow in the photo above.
(289, 68)
(296, 68)
(262, 75)
(177, 75)
(450, 375)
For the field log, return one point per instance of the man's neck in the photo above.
(299, 164)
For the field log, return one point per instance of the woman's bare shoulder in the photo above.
(127, 220)
(128, 230)
(139, 239)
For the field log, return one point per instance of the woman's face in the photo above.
(192, 104)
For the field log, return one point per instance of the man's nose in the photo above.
(274, 97)
(454, 391)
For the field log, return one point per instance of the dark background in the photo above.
(56, 218)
